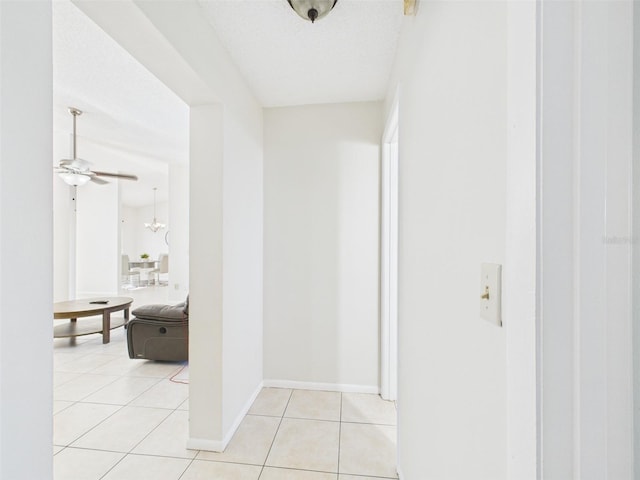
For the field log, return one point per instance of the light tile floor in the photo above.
(121, 419)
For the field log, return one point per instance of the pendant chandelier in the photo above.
(155, 225)
(312, 9)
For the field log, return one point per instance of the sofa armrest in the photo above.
(161, 312)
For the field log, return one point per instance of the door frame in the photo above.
(389, 256)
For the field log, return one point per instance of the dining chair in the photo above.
(163, 267)
(127, 272)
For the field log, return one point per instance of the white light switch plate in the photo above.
(491, 287)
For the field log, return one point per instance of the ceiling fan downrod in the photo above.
(76, 113)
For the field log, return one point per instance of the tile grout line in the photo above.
(128, 404)
(150, 432)
(95, 426)
(120, 407)
(339, 436)
(193, 459)
(114, 465)
(95, 391)
(126, 454)
(120, 404)
(119, 377)
(189, 465)
(95, 449)
(68, 406)
(275, 435)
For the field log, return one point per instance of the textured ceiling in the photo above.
(131, 122)
(345, 57)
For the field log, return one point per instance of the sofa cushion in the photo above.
(161, 312)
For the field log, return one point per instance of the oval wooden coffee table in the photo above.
(90, 307)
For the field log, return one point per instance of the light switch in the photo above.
(491, 292)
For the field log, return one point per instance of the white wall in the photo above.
(242, 229)
(451, 67)
(136, 239)
(97, 240)
(179, 234)
(87, 248)
(63, 234)
(128, 220)
(26, 327)
(321, 244)
(206, 296)
(141, 239)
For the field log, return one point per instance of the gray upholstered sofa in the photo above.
(159, 332)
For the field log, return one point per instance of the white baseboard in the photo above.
(217, 445)
(241, 415)
(205, 444)
(330, 387)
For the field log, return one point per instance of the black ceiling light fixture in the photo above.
(312, 9)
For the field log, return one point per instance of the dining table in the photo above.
(145, 266)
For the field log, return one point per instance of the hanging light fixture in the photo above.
(154, 226)
(312, 9)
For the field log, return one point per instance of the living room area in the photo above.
(127, 123)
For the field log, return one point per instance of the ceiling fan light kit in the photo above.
(76, 171)
(74, 179)
(312, 9)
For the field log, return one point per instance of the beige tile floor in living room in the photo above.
(120, 419)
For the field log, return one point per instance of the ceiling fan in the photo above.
(76, 171)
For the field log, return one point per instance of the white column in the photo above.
(205, 278)
(64, 227)
(26, 325)
(97, 239)
(179, 231)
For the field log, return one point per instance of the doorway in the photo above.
(389, 258)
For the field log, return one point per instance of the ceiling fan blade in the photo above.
(124, 176)
(78, 170)
(98, 180)
(77, 164)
